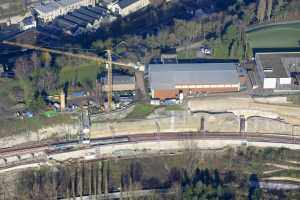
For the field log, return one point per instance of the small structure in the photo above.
(120, 83)
(62, 101)
(168, 56)
(277, 70)
(206, 50)
(170, 80)
(28, 23)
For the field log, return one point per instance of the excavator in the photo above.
(99, 60)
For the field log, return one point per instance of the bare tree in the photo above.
(261, 10)
(23, 68)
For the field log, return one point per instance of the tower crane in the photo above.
(99, 60)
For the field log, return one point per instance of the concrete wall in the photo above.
(58, 131)
(269, 83)
(172, 122)
(265, 125)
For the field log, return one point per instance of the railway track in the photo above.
(68, 145)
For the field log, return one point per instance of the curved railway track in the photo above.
(249, 137)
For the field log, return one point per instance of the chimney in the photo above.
(62, 101)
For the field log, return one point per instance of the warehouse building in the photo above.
(169, 80)
(83, 20)
(47, 12)
(126, 7)
(120, 83)
(278, 70)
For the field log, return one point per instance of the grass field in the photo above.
(141, 111)
(81, 73)
(13, 127)
(187, 54)
(277, 36)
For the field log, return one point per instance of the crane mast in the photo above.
(99, 60)
(109, 80)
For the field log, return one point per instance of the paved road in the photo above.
(190, 46)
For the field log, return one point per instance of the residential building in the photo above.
(169, 80)
(126, 7)
(46, 12)
(278, 70)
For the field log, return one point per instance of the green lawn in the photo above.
(80, 73)
(286, 173)
(276, 36)
(141, 111)
(13, 127)
(219, 47)
(187, 54)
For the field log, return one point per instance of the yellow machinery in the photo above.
(99, 60)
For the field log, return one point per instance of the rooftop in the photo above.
(120, 79)
(54, 5)
(48, 7)
(125, 3)
(67, 2)
(86, 12)
(280, 64)
(83, 17)
(167, 76)
(75, 20)
(28, 20)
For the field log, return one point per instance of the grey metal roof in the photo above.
(54, 5)
(47, 8)
(167, 76)
(125, 3)
(66, 24)
(83, 17)
(75, 20)
(120, 79)
(28, 20)
(275, 61)
(98, 10)
(89, 13)
(67, 2)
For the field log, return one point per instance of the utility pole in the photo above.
(109, 80)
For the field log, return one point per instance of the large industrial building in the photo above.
(169, 80)
(126, 7)
(47, 12)
(278, 70)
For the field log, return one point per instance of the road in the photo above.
(195, 45)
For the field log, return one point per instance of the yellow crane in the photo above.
(99, 60)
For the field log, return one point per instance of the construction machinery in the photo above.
(99, 60)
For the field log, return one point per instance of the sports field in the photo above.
(277, 36)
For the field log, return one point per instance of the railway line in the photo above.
(30, 153)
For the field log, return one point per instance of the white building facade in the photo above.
(126, 7)
(274, 69)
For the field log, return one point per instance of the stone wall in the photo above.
(58, 131)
